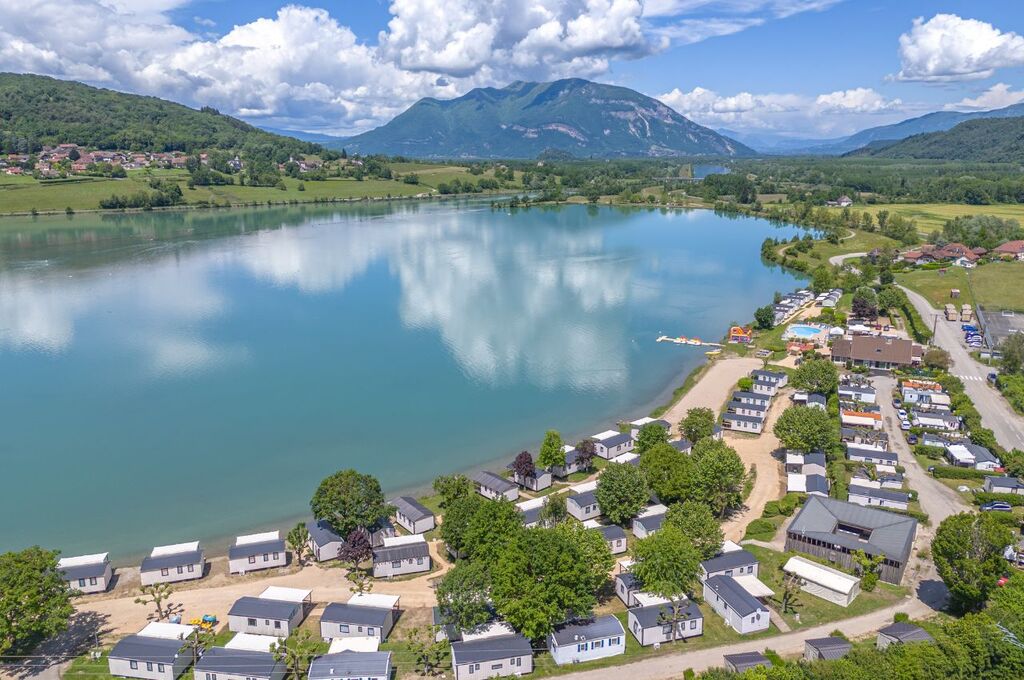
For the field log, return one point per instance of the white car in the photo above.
(905, 425)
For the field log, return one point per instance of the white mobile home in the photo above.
(583, 505)
(752, 398)
(865, 394)
(824, 582)
(613, 535)
(401, 555)
(611, 443)
(351, 666)
(745, 409)
(731, 563)
(492, 657)
(741, 611)
(495, 487)
(649, 520)
(277, 611)
(636, 425)
(882, 498)
(86, 573)
(972, 455)
(862, 453)
(257, 551)
(741, 423)
(244, 657)
(582, 641)
(412, 515)
(173, 563)
(324, 542)
(365, 615)
(157, 652)
(777, 378)
(538, 481)
(654, 623)
(1004, 485)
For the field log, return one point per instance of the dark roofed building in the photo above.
(826, 649)
(141, 656)
(494, 486)
(348, 620)
(495, 656)
(581, 641)
(873, 351)
(351, 666)
(412, 515)
(901, 633)
(239, 662)
(653, 624)
(731, 563)
(738, 663)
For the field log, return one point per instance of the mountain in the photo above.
(36, 110)
(774, 143)
(314, 137)
(984, 140)
(938, 121)
(523, 120)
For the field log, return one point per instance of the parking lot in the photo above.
(998, 324)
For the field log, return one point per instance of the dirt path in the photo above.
(713, 388)
(758, 451)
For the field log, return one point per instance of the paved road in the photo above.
(837, 260)
(996, 414)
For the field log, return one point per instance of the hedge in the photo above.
(1011, 498)
(1006, 518)
(761, 529)
(933, 452)
(950, 472)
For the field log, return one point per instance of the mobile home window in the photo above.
(191, 568)
(343, 627)
(277, 625)
(693, 624)
(266, 557)
(181, 570)
(149, 665)
(371, 630)
(134, 665)
(164, 572)
(159, 668)
(252, 560)
(397, 564)
(81, 582)
(92, 580)
(252, 622)
(277, 556)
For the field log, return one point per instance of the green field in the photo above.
(23, 194)
(857, 242)
(932, 216)
(998, 284)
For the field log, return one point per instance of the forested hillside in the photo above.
(997, 140)
(37, 111)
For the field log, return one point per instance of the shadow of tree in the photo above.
(85, 629)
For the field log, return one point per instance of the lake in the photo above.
(181, 375)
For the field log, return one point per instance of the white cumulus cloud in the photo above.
(948, 47)
(998, 96)
(859, 100)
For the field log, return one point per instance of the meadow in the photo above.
(996, 285)
(932, 216)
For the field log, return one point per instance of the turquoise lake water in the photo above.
(172, 376)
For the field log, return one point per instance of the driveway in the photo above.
(996, 414)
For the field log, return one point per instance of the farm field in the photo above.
(932, 216)
(998, 284)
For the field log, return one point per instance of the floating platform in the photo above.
(682, 340)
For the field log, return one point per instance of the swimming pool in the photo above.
(802, 331)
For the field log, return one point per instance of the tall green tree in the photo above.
(452, 488)
(622, 492)
(699, 423)
(669, 473)
(666, 563)
(551, 453)
(823, 279)
(490, 529)
(697, 522)
(456, 522)
(649, 436)
(817, 375)
(805, 429)
(719, 475)
(35, 602)
(968, 553)
(764, 317)
(298, 542)
(463, 595)
(539, 581)
(1012, 349)
(349, 500)
(554, 511)
(593, 550)
(296, 652)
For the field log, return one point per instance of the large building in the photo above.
(834, 530)
(875, 351)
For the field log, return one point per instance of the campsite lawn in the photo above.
(993, 285)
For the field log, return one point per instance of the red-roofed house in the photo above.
(1010, 249)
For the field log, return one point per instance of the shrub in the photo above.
(1013, 499)
(761, 529)
(771, 509)
(950, 472)
(932, 452)
(900, 617)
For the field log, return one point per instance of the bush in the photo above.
(900, 617)
(788, 504)
(771, 509)
(1006, 519)
(761, 529)
(950, 472)
(1013, 499)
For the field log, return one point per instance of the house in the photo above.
(401, 555)
(730, 563)
(777, 378)
(173, 563)
(583, 504)
(742, 423)
(913, 395)
(826, 649)
(611, 443)
(935, 420)
(412, 515)
(834, 530)
(874, 351)
(817, 401)
(741, 335)
(822, 581)
(741, 611)
(766, 387)
(739, 663)
(257, 551)
(740, 408)
(351, 666)
(572, 463)
(613, 535)
(751, 398)
(1004, 485)
(364, 615)
(649, 520)
(529, 511)
(659, 623)
(1010, 250)
(490, 485)
(890, 480)
(636, 425)
(276, 611)
(86, 573)
(901, 633)
(972, 456)
(810, 484)
(244, 657)
(683, 445)
(157, 652)
(581, 641)
(813, 463)
(850, 417)
(626, 587)
(325, 543)
(491, 656)
(882, 498)
(862, 435)
(538, 481)
(862, 453)
(857, 392)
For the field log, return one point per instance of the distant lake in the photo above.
(181, 375)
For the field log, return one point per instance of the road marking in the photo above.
(970, 377)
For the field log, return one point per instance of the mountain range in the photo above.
(523, 120)
(988, 140)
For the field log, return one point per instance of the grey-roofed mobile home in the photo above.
(581, 641)
(765, 387)
(264, 616)
(613, 445)
(1004, 485)
(397, 560)
(833, 530)
(816, 485)
(901, 633)
(653, 624)
(775, 377)
(491, 657)
(853, 392)
(347, 620)
(572, 463)
(351, 666)
(538, 481)
(741, 611)
(615, 537)
(744, 661)
(86, 573)
(412, 515)
(742, 423)
(173, 563)
(683, 445)
(151, 658)
(826, 649)
(752, 398)
(634, 429)
(626, 586)
(817, 401)
(324, 542)
(490, 485)
(583, 505)
(256, 552)
(731, 563)
(862, 454)
(645, 526)
(739, 408)
(882, 498)
(238, 664)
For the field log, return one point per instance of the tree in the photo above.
(822, 279)
(551, 453)
(453, 487)
(621, 492)
(968, 553)
(666, 563)
(650, 435)
(586, 449)
(298, 542)
(490, 529)
(1012, 349)
(456, 521)
(698, 424)
(35, 602)
(156, 595)
(867, 567)
(462, 595)
(296, 652)
(936, 357)
(865, 303)
(593, 550)
(891, 297)
(523, 466)
(719, 477)
(554, 510)
(698, 524)
(817, 375)
(427, 651)
(765, 317)
(357, 547)
(349, 500)
(805, 429)
(198, 641)
(669, 473)
(539, 581)
(789, 599)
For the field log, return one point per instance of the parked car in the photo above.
(912, 439)
(902, 414)
(992, 377)
(897, 403)
(968, 327)
(905, 425)
(996, 506)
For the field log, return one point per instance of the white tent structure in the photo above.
(824, 582)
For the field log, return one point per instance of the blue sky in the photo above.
(808, 68)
